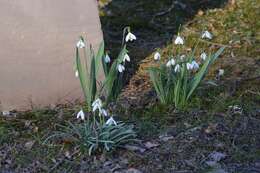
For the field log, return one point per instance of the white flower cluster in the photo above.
(190, 65)
(98, 106)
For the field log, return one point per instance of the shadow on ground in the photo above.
(154, 22)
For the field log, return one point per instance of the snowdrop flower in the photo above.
(130, 37)
(77, 73)
(171, 62)
(107, 59)
(221, 72)
(206, 34)
(157, 56)
(189, 66)
(80, 44)
(126, 58)
(179, 40)
(177, 68)
(203, 56)
(182, 57)
(195, 65)
(120, 68)
(104, 112)
(97, 104)
(81, 115)
(111, 121)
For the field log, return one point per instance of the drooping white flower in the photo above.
(77, 73)
(221, 72)
(182, 57)
(189, 66)
(130, 37)
(195, 65)
(171, 62)
(107, 59)
(120, 68)
(157, 56)
(104, 112)
(80, 44)
(179, 40)
(203, 56)
(97, 104)
(177, 68)
(126, 58)
(111, 121)
(6, 113)
(206, 34)
(81, 115)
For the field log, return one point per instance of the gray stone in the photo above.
(37, 41)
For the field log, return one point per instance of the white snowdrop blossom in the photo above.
(104, 112)
(182, 57)
(130, 37)
(80, 44)
(120, 68)
(81, 115)
(171, 62)
(189, 66)
(126, 58)
(206, 34)
(221, 72)
(97, 104)
(111, 121)
(177, 68)
(195, 65)
(203, 56)
(77, 73)
(107, 59)
(179, 40)
(157, 56)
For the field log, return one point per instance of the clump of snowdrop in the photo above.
(99, 130)
(176, 80)
(206, 35)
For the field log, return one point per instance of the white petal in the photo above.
(130, 37)
(171, 62)
(97, 104)
(104, 112)
(177, 68)
(189, 66)
(206, 34)
(111, 121)
(168, 64)
(76, 73)
(182, 57)
(221, 72)
(179, 40)
(81, 115)
(120, 68)
(80, 44)
(157, 56)
(195, 65)
(126, 58)
(203, 56)
(107, 59)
